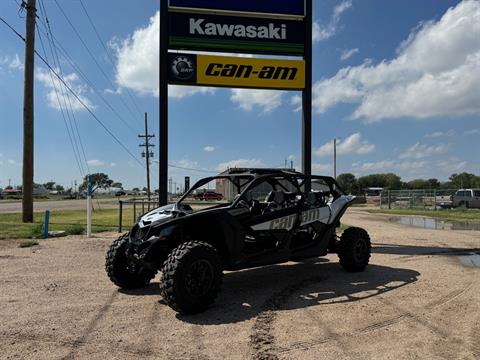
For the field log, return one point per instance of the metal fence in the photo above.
(431, 199)
(139, 206)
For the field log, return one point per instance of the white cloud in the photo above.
(436, 73)
(348, 53)
(138, 59)
(472, 132)
(180, 92)
(437, 134)
(209, 148)
(320, 32)
(12, 62)
(265, 100)
(11, 161)
(421, 151)
(296, 102)
(113, 164)
(137, 64)
(72, 80)
(95, 162)
(319, 169)
(351, 145)
(452, 165)
(240, 163)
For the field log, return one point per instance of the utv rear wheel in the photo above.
(354, 249)
(191, 277)
(122, 272)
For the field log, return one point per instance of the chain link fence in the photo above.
(431, 199)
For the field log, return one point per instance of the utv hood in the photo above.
(160, 215)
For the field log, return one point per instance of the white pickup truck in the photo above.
(469, 198)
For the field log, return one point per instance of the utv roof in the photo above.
(259, 171)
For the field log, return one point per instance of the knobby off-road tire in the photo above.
(354, 249)
(191, 277)
(122, 273)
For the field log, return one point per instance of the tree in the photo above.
(418, 184)
(136, 189)
(144, 188)
(347, 182)
(465, 180)
(49, 185)
(59, 188)
(99, 181)
(117, 185)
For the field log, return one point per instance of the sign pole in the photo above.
(307, 99)
(163, 129)
(89, 206)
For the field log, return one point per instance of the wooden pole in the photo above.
(28, 114)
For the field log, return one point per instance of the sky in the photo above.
(397, 83)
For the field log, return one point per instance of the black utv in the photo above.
(266, 217)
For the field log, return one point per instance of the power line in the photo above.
(75, 95)
(93, 58)
(107, 51)
(81, 170)
(57, 63)
(192, 169)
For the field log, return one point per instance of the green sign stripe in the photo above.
(186, 40)
(229, 47)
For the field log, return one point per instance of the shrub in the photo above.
(76, 229)
(28, 243)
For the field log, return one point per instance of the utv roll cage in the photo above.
(255, 176)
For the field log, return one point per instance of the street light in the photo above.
(335, 157)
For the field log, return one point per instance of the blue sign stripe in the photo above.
(288, 7)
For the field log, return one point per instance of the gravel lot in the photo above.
(415, 300)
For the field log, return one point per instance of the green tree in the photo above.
(347, 182)
(59, 188)
(117, 185)
(465, 180)
(49, 185)
(99, 181)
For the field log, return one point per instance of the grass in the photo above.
(28, 243)
(71, 221)
(444, 214)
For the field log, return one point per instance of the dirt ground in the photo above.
(415, 301)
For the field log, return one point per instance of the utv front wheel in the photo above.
(191, 277)
(354, 249)
(122, 272)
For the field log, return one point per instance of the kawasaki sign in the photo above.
(236, 34)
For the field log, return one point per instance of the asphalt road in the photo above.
(13, 207)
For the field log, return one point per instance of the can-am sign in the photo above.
(236, 34)
(273, 7)
(229, 71)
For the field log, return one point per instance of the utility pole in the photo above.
(28, 104)
(335, 158)
(147, 154)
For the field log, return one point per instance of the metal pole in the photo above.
(335, 158)
(435, 199)
(147, 143)
(307, 99)
(120, 214)
(163, 137)
(89, 207)
(28, 115)
(134, 211)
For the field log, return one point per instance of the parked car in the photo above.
(469, 198)
(208, 195)
(444, 202)
(191, 248)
